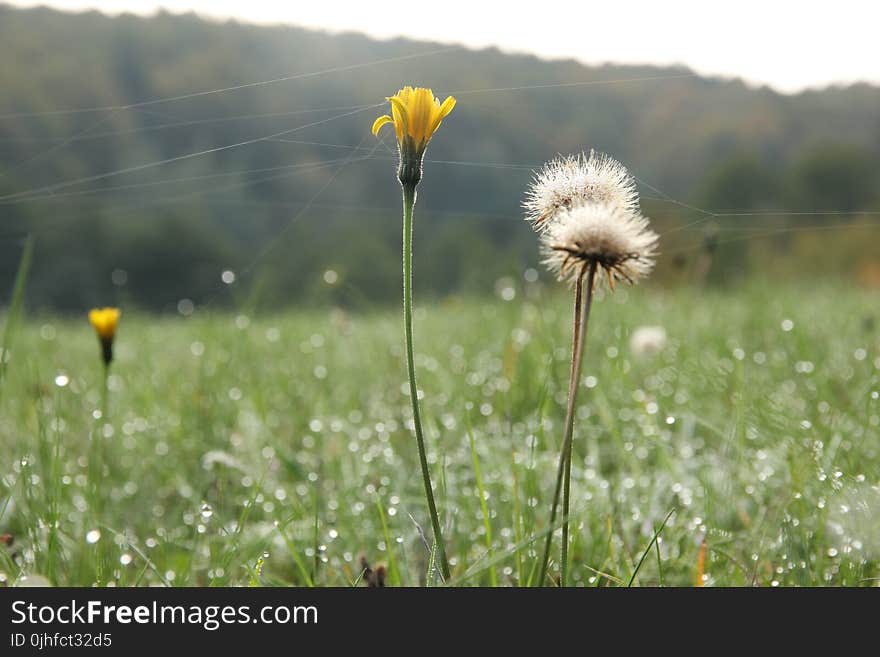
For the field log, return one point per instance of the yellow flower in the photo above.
(105, 320)
(416, 114)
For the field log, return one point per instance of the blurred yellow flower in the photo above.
(105, 320)
(416, 114)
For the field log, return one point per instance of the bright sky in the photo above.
(787, 44)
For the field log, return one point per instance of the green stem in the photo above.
(97, 458)
(409, 200)
(560, 471)
(105, 394)
(15, 306)
(96, 473)
(563, 473)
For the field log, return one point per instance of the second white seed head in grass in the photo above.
(617, 240)
(570, 180)
(648, 341)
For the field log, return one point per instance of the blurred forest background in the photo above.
(739, 180)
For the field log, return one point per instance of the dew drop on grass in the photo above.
(61, 380)
(206, 511)
(93, 536)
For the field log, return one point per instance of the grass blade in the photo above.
(493, 572)
(393, 572)
(648, 549)
(15, 305)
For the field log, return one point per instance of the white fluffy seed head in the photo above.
(571, 180)
(648, 340)
(619, 241)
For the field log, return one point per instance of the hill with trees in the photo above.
(148, 155)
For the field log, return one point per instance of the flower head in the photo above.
(617, 240)
(104, 321)
(415, 114)
(647, 340)
(570, 180)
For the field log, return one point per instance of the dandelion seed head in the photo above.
(619, 241)
(571, 180)
(648, 340)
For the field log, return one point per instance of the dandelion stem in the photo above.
(563, 473)
(105, 393)
(409, 200)
(97, 461)
(96, 474)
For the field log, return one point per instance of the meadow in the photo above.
(277, 449)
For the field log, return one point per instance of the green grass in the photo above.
(276, 450)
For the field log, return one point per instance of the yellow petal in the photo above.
(447, 106)
(442, 112)
(401, 120)
(422, 115)
(378, 123)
